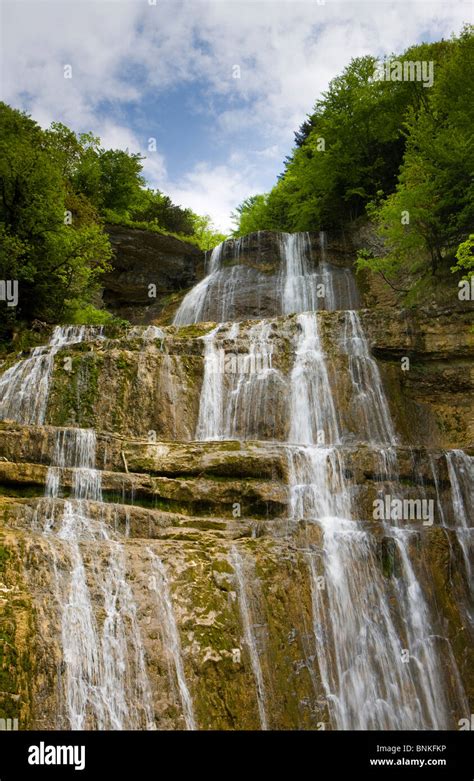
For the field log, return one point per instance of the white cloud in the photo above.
(215, 190)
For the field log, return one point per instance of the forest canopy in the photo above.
(398, 151)
(57, 190)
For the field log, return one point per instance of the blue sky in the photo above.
(165, 69)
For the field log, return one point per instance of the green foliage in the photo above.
(120, 178)
(207, 237)
(432, 208)
(465, 258)
(83, 313)
(155, 208)
(399, 150)
(50, 259)
(205, 241)
(56, 188)
(251, 215)
(351, 148)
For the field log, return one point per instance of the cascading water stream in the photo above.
(171, 638)
(381, 658)
(368, 686)
(305, 288)
(106, 683)
(192, 306)
(249, 634)
(368, 398)
(380, 666)
(461, 477)
(24, 387)
(238, 388)
(209, 424)
(299, 285)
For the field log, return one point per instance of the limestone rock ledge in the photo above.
(192, 504)
(135, 384)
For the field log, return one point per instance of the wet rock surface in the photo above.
(171, 532)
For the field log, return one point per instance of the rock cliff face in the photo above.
(261, 275)
(143, 258)
(138, 382)
(188, 536)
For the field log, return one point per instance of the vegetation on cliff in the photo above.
(400, 151)
(57, 189)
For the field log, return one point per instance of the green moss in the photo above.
(4, 556)
(388, 558)
(16, 665)
(222, 565)
(22, 491)
(73, 393)
(194, 331)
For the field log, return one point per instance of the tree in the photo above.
(352, 145)
(49, 258)
(251, 215)
(432, 208)
(205, 232)
(120, 179)
(465, 258)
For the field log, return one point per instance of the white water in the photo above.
(171, 638)
(24, 387)
(422, 642)
(458, 517)
(461, 476)
(309, 288)
(368, 398)
(239, 390)
(192, 305)
(299, 285)
(358, 647)
(209, 422)
(105, 680)
(312, 412)
(363, 621)
(368, 684)
(249, 634)
(381, 664)
(302, 285)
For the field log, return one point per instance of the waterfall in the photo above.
(253, 383)
(299, 284)
(249, 634)
(106, 683)
(422, 642)
(358, 648)
(381, 665)
(368, 398)
(461, 477)
(460, 467)
(171, 639)
(24, 387)
(312, 412)
(368, 682)
(239, 390)
(192, 306)
(209, 425)
(312, 398)
(234, 290)
(305, 288)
